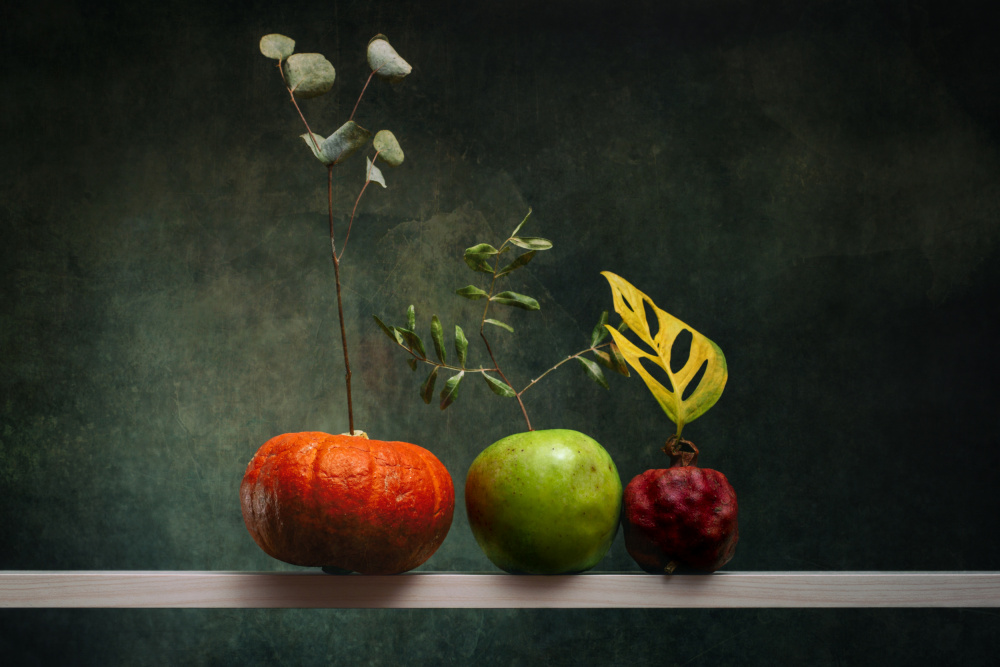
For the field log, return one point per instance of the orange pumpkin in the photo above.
(347, 502)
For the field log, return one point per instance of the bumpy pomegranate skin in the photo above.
(680, 516)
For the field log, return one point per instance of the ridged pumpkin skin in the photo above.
(343, 501)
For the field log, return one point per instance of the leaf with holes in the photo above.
(697, 384)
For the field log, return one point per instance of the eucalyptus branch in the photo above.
(356, 202)
(312, 75)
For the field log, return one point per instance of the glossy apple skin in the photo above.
(544, 502)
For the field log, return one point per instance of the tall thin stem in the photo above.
(291, 93)
(340, 301)
(362, 93)
(489, 350)
(350, 224)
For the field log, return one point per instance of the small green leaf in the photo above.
(517, 300)
(412, 341)
(471, 292)
(309, 74)
(478, 255)
(531, 242)
(385, 62)
(411, 318)
(277, 46)
(344, 143)
(388, 148)
(521, 224)
(413, 363)
(437, 335)
(450, 391)
(517, 263)
(613, 361)
(389, 331)
(499, 388)
(373, 174)
(593, 372)
(498, 323)
(600, 332)
(620, 366)
(461, 345)
(623, 327)
(427, 388)
(313, 141)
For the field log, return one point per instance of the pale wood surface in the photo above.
(194, 589)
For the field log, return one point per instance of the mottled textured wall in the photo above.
(814, 185)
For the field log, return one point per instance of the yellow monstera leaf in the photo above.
(683, 401)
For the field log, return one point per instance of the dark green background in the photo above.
(813, 185)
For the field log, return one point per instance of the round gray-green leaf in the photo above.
(309, 74)
(277, 46)
(388, 148)
(386, 63)
(374, 174)
(345, 142)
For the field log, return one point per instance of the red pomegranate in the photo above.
(680, 516)
(346, 502)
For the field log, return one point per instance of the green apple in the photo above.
(544, 502)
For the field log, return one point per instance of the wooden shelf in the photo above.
(199, 589)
